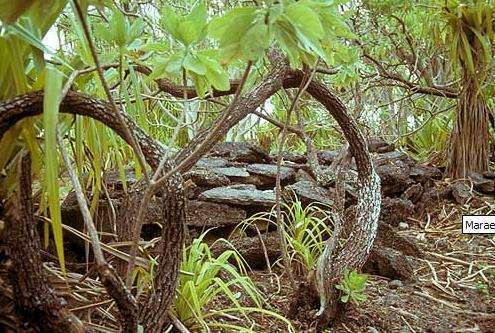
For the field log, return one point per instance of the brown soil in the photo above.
(454, 289)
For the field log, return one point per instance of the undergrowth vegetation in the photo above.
(306, 230)
(94, 87)
(215, 293)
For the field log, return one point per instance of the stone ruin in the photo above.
(237, 179)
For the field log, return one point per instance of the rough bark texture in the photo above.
(355, 250)
(31, 104)
(33, 297)
(153, 316)
(126, 304)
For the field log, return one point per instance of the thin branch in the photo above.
(155, 183)
(115, 287)
(81, 201)
(413, 87)
(128, 134)
(278, 188)
(278, 123)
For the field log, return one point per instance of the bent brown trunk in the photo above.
(33, 297)
(355, 250)
(154, 315)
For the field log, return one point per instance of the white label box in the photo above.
(478, 224)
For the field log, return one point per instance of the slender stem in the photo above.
(278, 188)
(129, 135)
(83, 206)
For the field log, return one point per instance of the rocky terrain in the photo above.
(237, 180)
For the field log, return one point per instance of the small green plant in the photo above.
(482, 288)
(352, 286)
(306, 229)
(205, 279)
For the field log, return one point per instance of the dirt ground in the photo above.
(453, 288)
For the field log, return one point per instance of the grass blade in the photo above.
(51, 101)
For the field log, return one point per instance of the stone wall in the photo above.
(237, 180)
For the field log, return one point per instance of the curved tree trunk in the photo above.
(350, 256)
(360, 233)
(40, 308)
(154, 314)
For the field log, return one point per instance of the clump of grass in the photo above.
(214, 293)
(305, 231)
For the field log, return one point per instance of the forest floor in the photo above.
(453, 289)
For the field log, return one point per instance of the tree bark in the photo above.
(154, 313)
(351, 255)
(360, 233)
(33, 297)
(469, 149)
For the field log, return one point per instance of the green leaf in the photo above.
(199, 15)
(170, 21)
(188, 32)
(194, 64)
(255, 41)
(215, 73)
(219, 27)
(219, 80)
(200, 84)
(306, 20)
(230, 30)
(135, 30)
(119, 25)
(174, 63)
(467, 53)
(51, 101)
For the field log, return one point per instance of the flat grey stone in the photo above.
(308, 191)
(242, 196)
(326, 157)
(482, 184)
(211, 162)
(270, 170)
(423, 173)
(205, 178)
(246, 152)
(231, 172)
